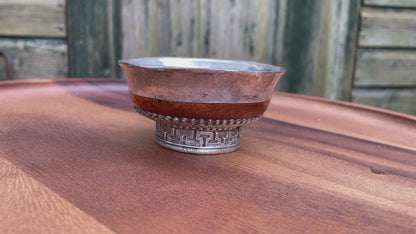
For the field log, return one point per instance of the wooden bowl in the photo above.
(200, 104)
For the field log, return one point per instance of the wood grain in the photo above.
(27, 206)
(385, 68)
(33, 18)
(388, 27)
(285, 107)
(36, 58)
(192, 110)
(84, 142)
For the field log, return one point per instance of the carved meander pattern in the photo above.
(198, 138)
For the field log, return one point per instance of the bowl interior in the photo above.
(209, 64)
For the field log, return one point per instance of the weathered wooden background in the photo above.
(360, 51)
(298, 35)
(34, 33)
(59, 38)
(385, 71)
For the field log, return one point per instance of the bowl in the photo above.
(199, 104)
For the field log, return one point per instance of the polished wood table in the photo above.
(75, 157)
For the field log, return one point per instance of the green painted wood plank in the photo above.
(36, 58)
(338, 35)
(33, 18)
(296, 43)
(381, 27)
(94, 38)
(401, 100)
(391, 3)
(388, 68)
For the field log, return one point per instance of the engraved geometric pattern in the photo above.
(198, 138)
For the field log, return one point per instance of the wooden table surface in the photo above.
(75, 157)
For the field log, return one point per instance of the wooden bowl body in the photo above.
(200, 94)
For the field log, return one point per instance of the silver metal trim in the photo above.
(202, 63)
(197, 141)
(201, 124)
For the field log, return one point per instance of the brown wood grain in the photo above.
(215, 111)
(82, 141)
(349, 119)
(27, 206)
(398, 99)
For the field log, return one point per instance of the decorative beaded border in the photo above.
(200, 124)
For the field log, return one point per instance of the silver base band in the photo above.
(197, 141)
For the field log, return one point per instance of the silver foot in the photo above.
(197, 141)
